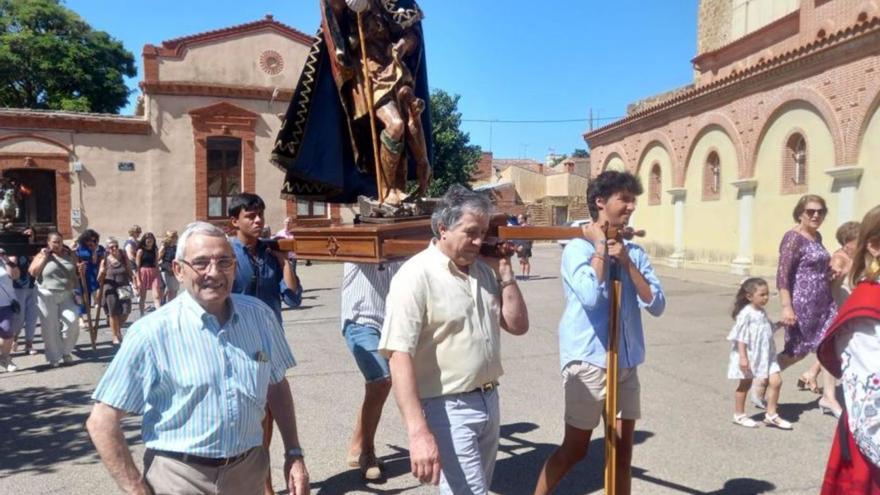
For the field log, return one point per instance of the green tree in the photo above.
(50, 58)
(455, 159)
(580, 153)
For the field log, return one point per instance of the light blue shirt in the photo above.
(583, 330)
(200, 386)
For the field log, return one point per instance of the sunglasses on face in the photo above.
(811, 212)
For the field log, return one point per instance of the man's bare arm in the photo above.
(514, 314)
(423, 452)
(104, 426)
(281, 405)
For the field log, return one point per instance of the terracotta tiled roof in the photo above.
(866, 27)
(25, 118)
(174, 47)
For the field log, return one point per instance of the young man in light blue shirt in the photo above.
(583, 329)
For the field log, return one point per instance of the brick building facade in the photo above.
(784, 102)
(210, 109)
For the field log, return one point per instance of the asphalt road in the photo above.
(686, 440)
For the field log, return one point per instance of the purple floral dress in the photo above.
(805, 272)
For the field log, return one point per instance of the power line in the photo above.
(542, 121)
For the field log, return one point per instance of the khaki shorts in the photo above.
(584, 387)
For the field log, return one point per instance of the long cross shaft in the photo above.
(368, 84)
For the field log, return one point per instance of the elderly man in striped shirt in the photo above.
(444, 313)
(200, 370)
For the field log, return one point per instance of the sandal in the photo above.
(775, 420)
(743, 420)
(806, 382)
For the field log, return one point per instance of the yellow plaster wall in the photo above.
(566, 185)
(772, 209)
(531, 186)
(868, 195)
(711, 231)
(750, 15)
(237, 61)
(615, 163)
(658, 220)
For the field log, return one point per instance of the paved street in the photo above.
(686, 441)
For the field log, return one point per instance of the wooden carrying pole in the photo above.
(368, 85)
(611, 374)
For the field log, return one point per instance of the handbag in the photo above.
(124, 292)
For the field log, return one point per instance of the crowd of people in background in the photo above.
(830, 306)
(64, 289)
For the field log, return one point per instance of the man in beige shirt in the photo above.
(441, 333)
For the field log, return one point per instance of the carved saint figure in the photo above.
(326, 143)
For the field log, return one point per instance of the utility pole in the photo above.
(591, 119)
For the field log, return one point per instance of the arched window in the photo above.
(712, 177)
(794, 165)
(655, 185)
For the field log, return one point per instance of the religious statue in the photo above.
(9, 203)
(358, 123)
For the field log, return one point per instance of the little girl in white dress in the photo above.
(753, 353)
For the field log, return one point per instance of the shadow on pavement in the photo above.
(396, 464)
(518, 473)
(43, 427)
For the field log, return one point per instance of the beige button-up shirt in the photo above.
(447, 320)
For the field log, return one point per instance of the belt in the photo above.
(486, 387)
(195, 459)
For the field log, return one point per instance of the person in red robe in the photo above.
(850, 351)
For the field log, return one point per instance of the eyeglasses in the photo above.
(201, 265)
(811, 212)
(113, 246)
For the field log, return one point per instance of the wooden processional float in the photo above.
(377, 240)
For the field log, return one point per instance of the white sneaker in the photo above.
(743, 420)
(67, 358)
(10, 366)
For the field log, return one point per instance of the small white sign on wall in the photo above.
(75, 217)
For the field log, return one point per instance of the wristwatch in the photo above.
(294, 452)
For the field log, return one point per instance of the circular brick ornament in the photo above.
(271, 62)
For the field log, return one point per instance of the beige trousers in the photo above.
(246, 476)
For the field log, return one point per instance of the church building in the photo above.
(784, 102)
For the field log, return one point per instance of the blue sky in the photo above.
(514, 60)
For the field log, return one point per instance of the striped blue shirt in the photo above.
(200, 386)
(364, 289)
(583, 329)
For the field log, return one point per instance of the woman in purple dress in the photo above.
(803, 279)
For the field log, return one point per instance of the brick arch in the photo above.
(717, 120)
(656, 137)
(857, 131)
(615, 149)
(789, 97)
(37, 137)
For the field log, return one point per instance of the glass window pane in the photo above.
(233, 161)
(319, 209)
(233, 185)
(215, 206)
(215, 160)
(302, 208)
(215, 184)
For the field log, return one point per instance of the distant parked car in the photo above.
(576, 223)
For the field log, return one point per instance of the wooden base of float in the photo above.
(378, 243)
